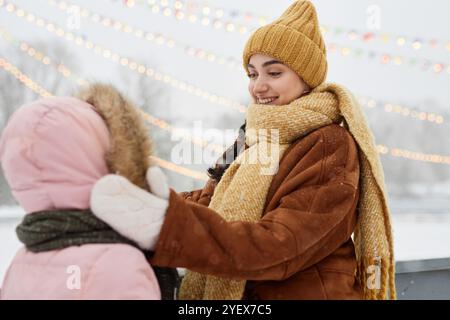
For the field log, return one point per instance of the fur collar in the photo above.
(131, 146)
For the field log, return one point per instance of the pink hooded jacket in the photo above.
(52, 152)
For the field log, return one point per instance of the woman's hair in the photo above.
(228, 156)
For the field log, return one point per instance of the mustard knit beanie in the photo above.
(294, 39)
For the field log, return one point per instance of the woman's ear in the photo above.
(306, 90)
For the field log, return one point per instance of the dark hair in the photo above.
(228, 156)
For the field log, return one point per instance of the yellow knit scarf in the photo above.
(241, 193)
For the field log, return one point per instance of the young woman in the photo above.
(282, 231)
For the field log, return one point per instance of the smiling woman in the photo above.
(285, 233)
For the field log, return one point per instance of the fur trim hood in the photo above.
(130, 144)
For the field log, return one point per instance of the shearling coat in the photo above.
(300, 249)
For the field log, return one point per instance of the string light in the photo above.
(181, 170)
(24, 79)
(401, 153)
(401, 110)
(434, 158)
(129, 3)
(412, 155)
(384, 58)
(395, 152)
(158, 38)
(106, 53)
(10, 68)
(251, 20)
(205, 14)
(385, 38)
(235, 63)
(177, 84)
(416, 45)
(401, 41)
(25, 47)
(39, 56)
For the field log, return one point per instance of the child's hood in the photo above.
(52, 151)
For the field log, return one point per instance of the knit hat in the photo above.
(294, 39)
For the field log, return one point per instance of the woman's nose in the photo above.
(260, 85)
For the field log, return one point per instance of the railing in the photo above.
(423, 279)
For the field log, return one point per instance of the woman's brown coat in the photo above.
(300, 249)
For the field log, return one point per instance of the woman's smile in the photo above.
(268, 100)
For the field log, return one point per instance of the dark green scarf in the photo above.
(51, 230)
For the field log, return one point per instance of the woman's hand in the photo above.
(130, 210)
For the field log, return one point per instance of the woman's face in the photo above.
(272, 82)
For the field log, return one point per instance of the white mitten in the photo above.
(157, 181)
(130, 210)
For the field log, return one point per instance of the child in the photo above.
(52, 152)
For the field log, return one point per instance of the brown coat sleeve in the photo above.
(314, 216)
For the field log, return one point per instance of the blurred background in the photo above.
(180, 62)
